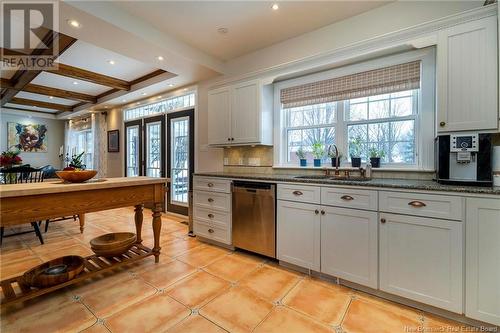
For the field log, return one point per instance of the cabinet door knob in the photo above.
(210, 185)
(211, 216)
(211, 231)
(442, 124)
(382, 220)
(416, 204)
(297, 193)
(232, 139)
(346, 198)
(228, 139)
(210, 200)
(316, 212)
(322, 212)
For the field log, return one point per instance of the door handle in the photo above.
(211, 216)
(210, 200)
(417, 204)
(297, 193)
(346, 198)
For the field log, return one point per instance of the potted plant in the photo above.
(335, 162)
(355, 152)
(301, 154)
(75, 163)
(318, 151)
(10, 158)
(375, 156)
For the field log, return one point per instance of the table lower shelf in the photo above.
(14, 290)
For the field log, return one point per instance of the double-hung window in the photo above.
(379, 107)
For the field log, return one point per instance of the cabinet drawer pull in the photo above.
(210, 200)
(346, 198)
(316, 212)
(211, 231)
(382, 220)
(297, 193)
(211, 216)
(416, 204)
(210, 185)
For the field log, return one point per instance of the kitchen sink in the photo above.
(324, 177)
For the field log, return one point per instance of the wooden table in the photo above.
(25, 203)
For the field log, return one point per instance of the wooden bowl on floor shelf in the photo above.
(113, 244)
(76, 176)
(54, 272)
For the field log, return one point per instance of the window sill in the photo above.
(383, 169)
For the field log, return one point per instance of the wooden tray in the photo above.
(14, 290)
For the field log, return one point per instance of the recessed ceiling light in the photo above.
(111, 62)
(124, 100)
(158, 97)
(74, 82)
(160, 58)
(144, 94)
(50, 97)
(275, 6)
(74, 23)
(185, 89)
(171, 85)
(223, 31)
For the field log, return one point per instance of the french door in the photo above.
(145, 147)
(180, 152)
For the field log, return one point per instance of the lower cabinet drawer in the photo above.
(212, 184)
(212, 200)
(300, 193)
(349, 198)
(213, 217)
(422, 259)
(211, 232)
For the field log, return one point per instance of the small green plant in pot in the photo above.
(375, 156)
(318, 151)
(355, 151)
(301, 154)
(335, 161)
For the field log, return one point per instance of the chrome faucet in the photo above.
(337, 172)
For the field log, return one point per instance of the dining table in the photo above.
(28, 202)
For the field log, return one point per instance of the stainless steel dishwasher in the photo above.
(254, 217)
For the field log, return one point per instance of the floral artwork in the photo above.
(27, 138)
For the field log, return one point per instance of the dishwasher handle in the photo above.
(254, 188)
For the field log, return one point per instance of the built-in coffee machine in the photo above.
(464, 159)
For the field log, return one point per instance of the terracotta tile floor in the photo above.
(196, 287)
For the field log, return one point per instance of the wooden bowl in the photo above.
(54, 272)
(76, 176)
(113, 244)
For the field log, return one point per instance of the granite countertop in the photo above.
(427, 185)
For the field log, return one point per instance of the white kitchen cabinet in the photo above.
(298, 234)
(219, 116)
(241, 114)
(349, 243)
(482, 251)
(421, 259)
(467, 76)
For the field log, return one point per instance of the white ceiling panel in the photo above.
(27, 107)
(66, 83)
(43, 98)
(92, 58)
(7, 74)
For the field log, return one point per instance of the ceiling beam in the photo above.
(22, 77)
(7, 108)
(54, 92)
(46, 105)
(6, 83)
(85, 75)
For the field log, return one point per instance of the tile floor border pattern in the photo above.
(216, 255)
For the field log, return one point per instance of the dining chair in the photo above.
(18, 175)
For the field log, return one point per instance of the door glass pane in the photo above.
(153, 149)
(180, 161)
(133, 151)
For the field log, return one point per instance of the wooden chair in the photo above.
(18, 175)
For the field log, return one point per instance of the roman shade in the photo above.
(375, 82)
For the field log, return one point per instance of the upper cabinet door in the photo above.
(219, 116)
(467, 86)
(245, 107)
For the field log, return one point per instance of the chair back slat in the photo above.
(22, 174)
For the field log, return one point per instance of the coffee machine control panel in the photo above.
(464, 143)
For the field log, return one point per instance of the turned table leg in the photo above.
(81, 219)
(156, 230)
(138, 222)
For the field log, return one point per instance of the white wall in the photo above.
(312, 50)
(114, 121)
(55, 137)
